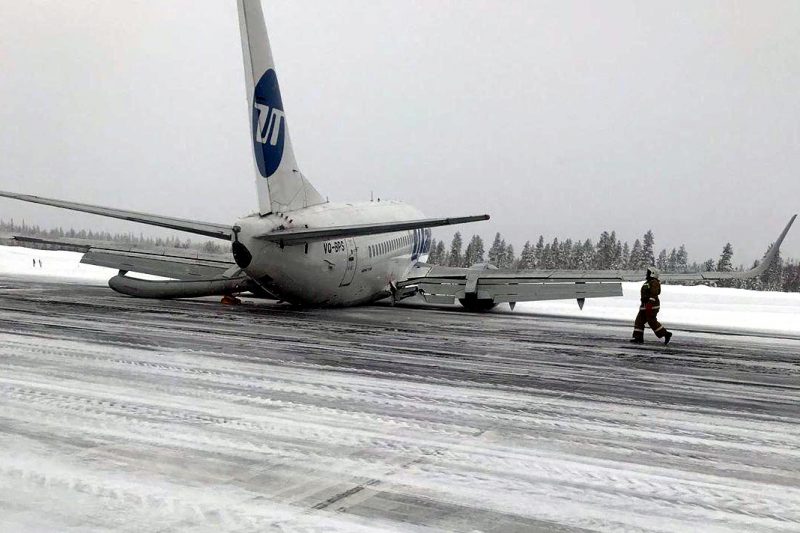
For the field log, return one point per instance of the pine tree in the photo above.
(508, 257)
(555, 256)
(501, 254)
(441, 254)
(566, 254)
(432, 253)
(725, 264)
(587, 259)
(474, 252)
(546, 262)
(479, 250)
(682, 259)
(538, 253)
(454, 258)
(672, 261)
(469, 255)
(604, 252)
(636, 261)
(526, 257)
(648, 243)
(497, 250)
(616, 262)
(626, 256)
(662, 260)
(433, 259)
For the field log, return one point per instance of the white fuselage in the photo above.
(345, 271)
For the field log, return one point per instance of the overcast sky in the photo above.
(560, 118)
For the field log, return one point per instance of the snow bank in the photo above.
(698, 306)
(56, 266)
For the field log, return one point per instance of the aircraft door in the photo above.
(351, 262)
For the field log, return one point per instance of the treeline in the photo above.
(609, 253)
(139, 240)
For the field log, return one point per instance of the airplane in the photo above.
(301, 248)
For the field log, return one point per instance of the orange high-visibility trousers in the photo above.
(650, 319)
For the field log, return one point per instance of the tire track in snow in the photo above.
(512, 420)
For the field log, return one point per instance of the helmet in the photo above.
(654, 272)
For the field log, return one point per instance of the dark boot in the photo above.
(637, 340)
(667, 337)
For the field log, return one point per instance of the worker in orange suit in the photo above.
(649, 310)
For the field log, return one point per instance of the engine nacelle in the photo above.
(167, 289)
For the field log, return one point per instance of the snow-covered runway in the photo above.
(133, 415)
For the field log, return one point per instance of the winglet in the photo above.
(762, 267)
(775, 248)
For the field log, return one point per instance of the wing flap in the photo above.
(294, 235)
(505, 287)
(531, 292)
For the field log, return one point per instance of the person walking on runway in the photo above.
(649, 310)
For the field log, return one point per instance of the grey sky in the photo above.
(560, 118)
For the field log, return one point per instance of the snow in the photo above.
(686, 307)
(699, 307)
(122, 414)
(253, 435)
(56, 265)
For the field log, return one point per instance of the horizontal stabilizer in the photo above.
(209, 229)
(292, 235)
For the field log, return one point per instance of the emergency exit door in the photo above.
(351, 262)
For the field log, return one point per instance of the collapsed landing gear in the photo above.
(230, 300)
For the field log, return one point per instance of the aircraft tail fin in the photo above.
(280, 184)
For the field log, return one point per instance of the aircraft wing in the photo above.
(448, 284)
(294, 235)
(439, 284)
(209, 229)
(166, 262)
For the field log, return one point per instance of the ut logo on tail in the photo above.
(268, 124)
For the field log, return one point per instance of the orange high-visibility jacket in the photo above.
(649, 294)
